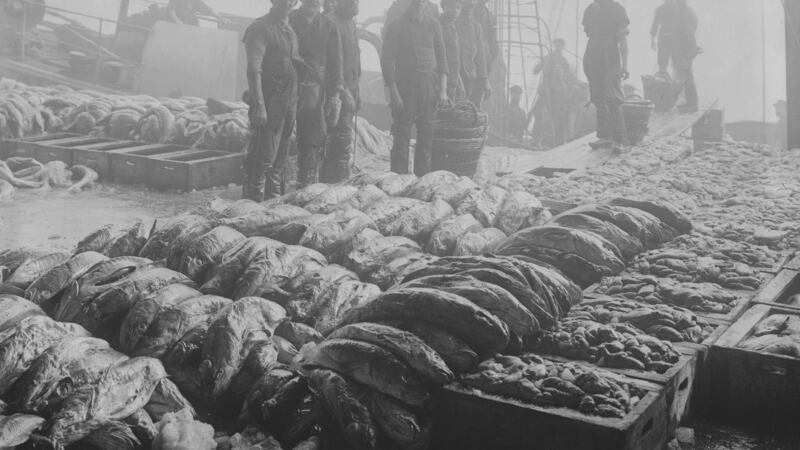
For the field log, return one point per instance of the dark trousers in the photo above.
(310, 143)
(475, 89)
(339, 149)
(611, 122)
(268, 148)
(419, 108)
(682, 51)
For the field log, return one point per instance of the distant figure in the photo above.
(415, 71)
(320, 47)
(516, 119)
(271, 50)
(474, 65)
(551, 111)
(781, 138)
(187, 11)
(451, 11)
(488, 24)
(606, 65)
(675, 23)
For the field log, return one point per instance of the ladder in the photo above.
(524, 36)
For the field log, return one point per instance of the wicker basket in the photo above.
(459, 135)
(662, 92)
(637, 119)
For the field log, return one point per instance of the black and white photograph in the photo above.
(399, 224)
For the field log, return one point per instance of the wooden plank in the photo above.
(793, 264)
(467, 419)
(778, 290)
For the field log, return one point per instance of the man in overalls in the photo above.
(341, 140)
(321, 49)
(606, 65)
(414, 64)
(474, 64)
(271, 48)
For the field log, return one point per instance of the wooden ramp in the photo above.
(577, 155)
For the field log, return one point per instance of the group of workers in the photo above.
(606, 67)
(430, 59)
(304, 68)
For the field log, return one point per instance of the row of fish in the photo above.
(67, 386)
(532, 379)
(664, 321)
(697, 297)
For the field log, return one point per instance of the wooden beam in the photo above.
(793, 71)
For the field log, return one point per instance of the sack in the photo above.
(333, 111)
(310, 97)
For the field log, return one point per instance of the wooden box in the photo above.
(467, 419)
(98, 156)
(753, 387)
(194, 169)
(130, 165)
(59, 149)
(780, 289)
(677, 383)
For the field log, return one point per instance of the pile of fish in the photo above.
(736, 191)
(28, 173)
(778, 334)
(593, 241)
(617, 345)
(29, 110)
(697, 297)
(664, 321)
(532, 379)
(686, 266)
(63, 386)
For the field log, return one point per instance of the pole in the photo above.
(792, 12)
(763, 64)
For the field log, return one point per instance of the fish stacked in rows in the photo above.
(69, 387)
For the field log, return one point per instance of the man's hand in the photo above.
(487, 87)
(260, 118)
(444, 100)
(623, 73)
(395, 101)
(348, 102)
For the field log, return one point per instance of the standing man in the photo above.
(414, 67)
(321, 49)
(271, 48)
(606, 65)
(451, 11)
(399, 7)
(474, 66)
(516, 119)
(186, 11)
(341, 140)
(552, 104)
(488, 24)
(675, 24)
(662, 34)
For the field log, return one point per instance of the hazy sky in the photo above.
(735, 38)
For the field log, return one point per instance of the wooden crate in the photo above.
(98, 156)
(130, 165)
(677, 383)
(756, 388)
(194, 169)
(467, 419)
(780, 289)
